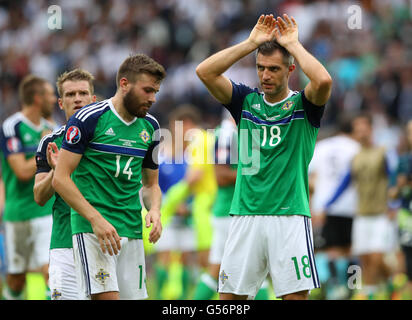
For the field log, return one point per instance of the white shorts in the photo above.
(177, 238)
(98, 272)
(62, 275)
(281, 246)
(373, 234)
(221, 227)
(27, 244)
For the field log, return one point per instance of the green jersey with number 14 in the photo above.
(110, 171)
(276, 144)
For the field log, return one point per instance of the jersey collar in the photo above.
(38, 128)
(291, 93)
(118, 115)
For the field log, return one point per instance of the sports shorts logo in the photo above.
(102, 276)
(223, 276)
(73, 135)
(56, 295)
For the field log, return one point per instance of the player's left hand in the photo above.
(286, 31)
(153, 217)
(52, 155)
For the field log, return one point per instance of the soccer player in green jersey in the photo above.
(75, 90)
(271, 229)
(27, 225)
(109, 152)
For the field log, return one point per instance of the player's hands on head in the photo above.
(264, 30)
(286, 31)
(52, 155)
(107, 235)
(153, 217)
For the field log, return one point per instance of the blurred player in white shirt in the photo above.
(331, 161)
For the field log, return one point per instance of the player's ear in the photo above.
(123, 83)
(94, 98)
(292, 68)
(60, 102)
(37, 98)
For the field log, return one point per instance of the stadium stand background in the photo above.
(371, 66)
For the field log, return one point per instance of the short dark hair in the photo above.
(137, 64)
(75, 75)
(268, 47)
(29, 87)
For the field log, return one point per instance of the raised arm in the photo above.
(319, 88)
(211, 70)
(67, 189)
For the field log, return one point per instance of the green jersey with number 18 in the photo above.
(110, 171)
(276, 145)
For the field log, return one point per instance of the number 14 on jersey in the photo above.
(127, 170)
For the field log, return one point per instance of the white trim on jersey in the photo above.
(118, 115)
(38, 128)
(157, 132)
(90, 112)
(89, 108)
(57, 132)
(10, 123)
(151, 117)
(291, 93)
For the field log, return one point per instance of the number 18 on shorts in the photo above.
(258, 246)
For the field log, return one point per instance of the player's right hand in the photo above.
(264, 30)
(107, 235)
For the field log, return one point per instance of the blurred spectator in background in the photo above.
(178, 235)
(331, 161)
(403, 191)
(199, 181)
(373, 232)
(181, 33)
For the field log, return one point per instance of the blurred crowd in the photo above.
(371, 63)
